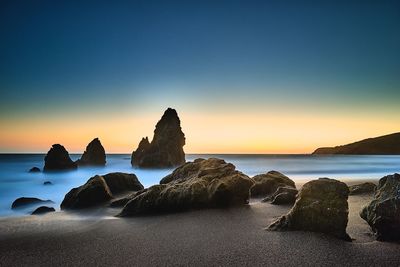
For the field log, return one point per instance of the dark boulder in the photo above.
(100, 189)
(120, 202)
(210, 183)
(58, 159)
(364, 188)
(94, 154)
(34, 169)
(94, 192)
(383, 213)
(47, 183)
(42, 210)
(119, 182)
(28, 201)
(268, 183)
(283, 195)
(321, 206)
(166, 148)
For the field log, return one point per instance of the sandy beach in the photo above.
(213, 237)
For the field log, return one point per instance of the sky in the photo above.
(244, 76)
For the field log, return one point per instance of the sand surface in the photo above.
(234, 236)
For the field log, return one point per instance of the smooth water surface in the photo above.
(16, 181)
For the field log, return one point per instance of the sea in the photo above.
(16, 180)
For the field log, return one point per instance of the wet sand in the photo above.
(235, 236)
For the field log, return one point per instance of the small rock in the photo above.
(268, 183)
(28, 201)
(283, 195)
(364, 188)
(47, 183)
(43, 210)
(34, 169)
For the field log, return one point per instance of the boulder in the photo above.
(383, 213)
(94, 192)
(42, 210)
(283, 195)
(268, 183)
(47, 183)
(34, 169)
(100, 189)
(120, 202)
(210, 183)
(166, 148)
(119, 182)
(94, 154)
(321, 206)
(58, 159)
(364, 188)
(28, 201)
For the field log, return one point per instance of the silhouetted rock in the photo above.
(268, 183)
(166, 148)
(364, 188)
(100, 189)
(383, 213)
(199, 184)
(321, 206)
(28, 201)
(382, 145)
(47, 183)
(43, 210)
(58, 159)
(283, 195)
(119, 182)
(94, 154)
(34, 169)
(94, 192)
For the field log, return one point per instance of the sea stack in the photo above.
(94, 154)
(58, 159)
(166, 148)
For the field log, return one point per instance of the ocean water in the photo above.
(16, 181)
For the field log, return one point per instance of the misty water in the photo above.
(16, 181)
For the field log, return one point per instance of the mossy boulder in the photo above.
(210, 183)
(268, 183)
(383, 212)
(321, 206)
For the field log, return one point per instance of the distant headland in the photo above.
(382, 145)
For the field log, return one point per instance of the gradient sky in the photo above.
(244, 76)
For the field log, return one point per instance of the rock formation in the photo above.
(166, 148)
(28, 201)
(283, 195)
(210, 183)
(321, 206)
(42, 210)
(383, 213)
(94, 154)
(34, 169)
(382, 145)
(268, 183)
(100, 189)
(58, 159)
(364, 188)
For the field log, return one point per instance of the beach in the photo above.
(211, 237)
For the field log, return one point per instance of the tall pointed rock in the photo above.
(94, 154)
(166, 148)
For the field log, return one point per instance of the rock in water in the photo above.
(47, 183)
(364, 188)
(383, 213)
(100, 189)
(34, 169)
(94, 154)
(94, 192)
(199, 184)
(28, 201)
(321, 206)
(42, 210)
(283, 195)
(166, 148)
(268, 183)
(58, 159)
